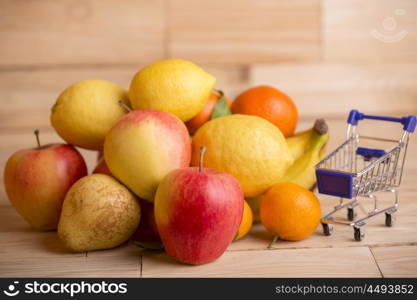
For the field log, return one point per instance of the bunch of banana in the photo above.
(308, 149)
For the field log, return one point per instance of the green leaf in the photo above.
(221, 108)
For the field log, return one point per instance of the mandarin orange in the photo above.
(290, 211)
(268, 103)
(246, 223)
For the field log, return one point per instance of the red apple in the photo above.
(37, 180)
(102, 168)
(146, 235)
(198, 212)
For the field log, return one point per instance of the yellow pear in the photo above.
(98, 213)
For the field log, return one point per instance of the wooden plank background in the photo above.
(74, 32)
(244, 31)
(370, 31)
(328, 55)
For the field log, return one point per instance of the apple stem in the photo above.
(274, 240)
(124, 105)
(36, 132)
(200, 164)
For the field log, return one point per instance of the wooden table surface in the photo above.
(385, 252)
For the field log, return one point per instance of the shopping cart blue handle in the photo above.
(369, 153)
(409, 122)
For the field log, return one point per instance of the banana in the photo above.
(299, 142)
(311, 145)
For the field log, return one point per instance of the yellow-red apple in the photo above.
(143, 147)
(37, 180)
(198, 212)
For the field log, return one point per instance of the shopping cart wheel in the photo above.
(388, 220)
(351, 214)
(358, 234)
(327, 229)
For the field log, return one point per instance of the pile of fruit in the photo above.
(181, 167)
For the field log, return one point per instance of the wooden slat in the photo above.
(232, 80)
(18, 241)
(337, 262)
(80, 32)
(43, 267)
(332, 89)
(30, 244)
(397, 261)
(244, 31)
(69, 267)
(373, 30)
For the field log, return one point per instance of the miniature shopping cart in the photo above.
(353, 171)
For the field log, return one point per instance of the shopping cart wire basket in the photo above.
(353, 171)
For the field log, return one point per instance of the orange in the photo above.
(205, 114)
(290, 211)
(268, 103)
(246, 223)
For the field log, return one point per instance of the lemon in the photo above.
(176, 86)
(84, 112)
(248, 147)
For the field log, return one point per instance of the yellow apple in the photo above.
(143, 147)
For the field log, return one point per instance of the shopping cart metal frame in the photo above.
(340, 175)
